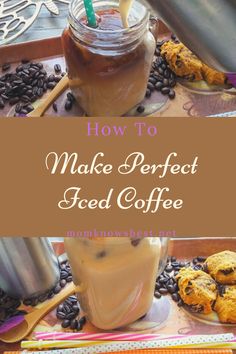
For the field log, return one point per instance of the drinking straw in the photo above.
(95, 336)
(111, 336)
(142, 351)
(88, 4)
(106, 347)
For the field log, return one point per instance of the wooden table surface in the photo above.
(46, 25)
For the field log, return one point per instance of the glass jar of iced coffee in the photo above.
(118, 276)
(108, 66)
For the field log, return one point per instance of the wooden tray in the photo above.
(177, 320)
(192, 99)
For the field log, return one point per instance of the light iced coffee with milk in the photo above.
(118, 277)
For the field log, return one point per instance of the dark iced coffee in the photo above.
(108, 66)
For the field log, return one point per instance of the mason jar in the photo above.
(117, 275)
(108, 66)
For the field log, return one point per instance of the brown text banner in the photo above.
(117, 177)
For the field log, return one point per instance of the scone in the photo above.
(225, 305)
(197, 289)
(222, 267)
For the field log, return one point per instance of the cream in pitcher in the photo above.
(118, 277)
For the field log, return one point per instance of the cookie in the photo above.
(225, 305)
(197, 289)
(222, 267)
(187, 65)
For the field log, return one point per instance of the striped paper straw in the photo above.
(97, 336)
(106, 347)
(106, 336)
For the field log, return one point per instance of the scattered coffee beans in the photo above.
(25, 85)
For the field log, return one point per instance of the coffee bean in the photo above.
(62, 283)
(65, 323)
(172, 94)
(40, 92)
(163, 291)
(64, 274)
(201, 258)
(171, 289)
(54, 106)
(50, 294)
(152, 80)
(73, 299)
(157, 52)
(180, 303)
(159, 86)
(34, 302)
(57, 78)
(34, 82)
(2, 105)
(25, 98)
(51, 85)
(61, 315)
(6, 66)
(18, 107)
(140, 109)
(82, 320)
(40, 83)
(195, 260)
(160, 43)
(70, 96)
(33, 98)
(29, 108)
(4, 96)
(101, 254)
(160, 71)
(68, 105)
(148, 93)
(74, 324)
(39, 65)
(135, 242)
(27, 302)
(57, 289)
(57, 68)
(71, 315)
(69, 279)
(168, 268)
(14, 100)
(165, 82)
(75, 308)
(165, 90)
(175, 264)
(43, 297)
(175, 297)
(157, 294)
(150, 86)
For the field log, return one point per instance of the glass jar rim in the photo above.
(75, 22)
